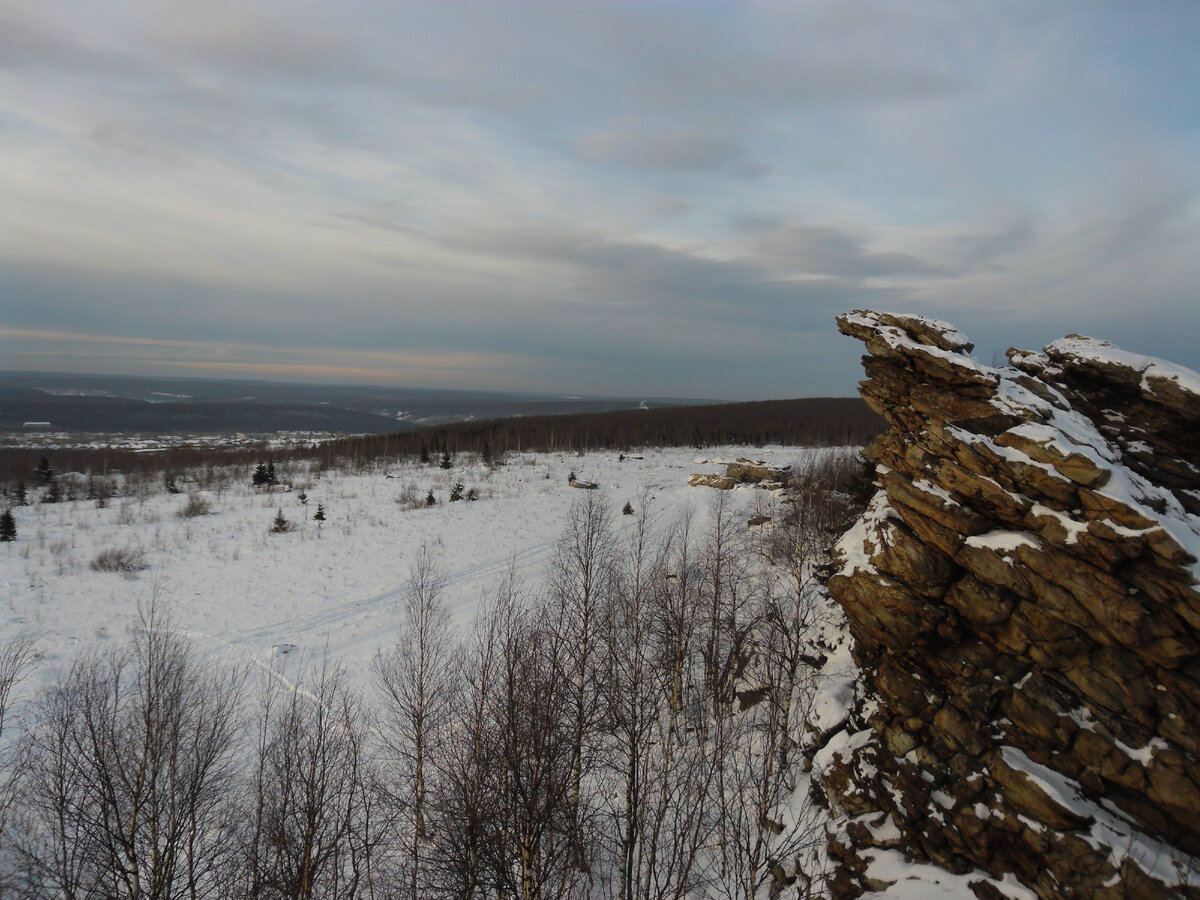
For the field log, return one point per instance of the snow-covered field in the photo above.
(239, 590)
(244, 594)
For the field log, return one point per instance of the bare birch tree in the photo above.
(416, 679)
(581, 581)
(130, 771)
(315, 799)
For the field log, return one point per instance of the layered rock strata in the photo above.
(1023, 594)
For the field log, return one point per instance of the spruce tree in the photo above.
(55, 493)
(260, 476)
(8, 526)
(430, 500)
(319, 515)
(446, 463)
(22, 498)
(457, 492)
(44, 473)
(424, 453)
(272, 478)
(280, 524)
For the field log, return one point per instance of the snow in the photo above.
(935, 490)
(1109, 828)
(1143, 755)
(897, 339)
(841, 745)
(242, 593)
(916, 881)
(952, 335)
(1073, 527)
(855, 548)
(1003, 541)
(1073, 431)
(1104, 353)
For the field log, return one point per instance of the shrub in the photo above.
(126, 560)
(197, 505)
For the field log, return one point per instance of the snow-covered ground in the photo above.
(239, 590)
(246, 595)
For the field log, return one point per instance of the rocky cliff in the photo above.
(1023, 594)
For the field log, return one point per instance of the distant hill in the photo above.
(129, 405)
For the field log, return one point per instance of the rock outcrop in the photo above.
(1023, 594)
(745, 471)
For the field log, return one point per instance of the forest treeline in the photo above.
(814, 421)
(633, 730)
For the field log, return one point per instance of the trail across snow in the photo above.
(240, 593)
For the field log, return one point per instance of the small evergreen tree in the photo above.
(280, 525)
(319, 515)
(8, 526)
(272, 478)
(303, 498)
(457, 493)
(424, 453)
(473, 494)
(628, 509)
(446, 463)
(260, 477)
(486, 455)
(44, 473)
(54, 495)
(571, 477)
(22, 497)
(430, 500)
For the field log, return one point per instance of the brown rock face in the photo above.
(1023, 592)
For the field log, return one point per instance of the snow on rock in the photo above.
(1025, 604)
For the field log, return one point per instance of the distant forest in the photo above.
(820, 421)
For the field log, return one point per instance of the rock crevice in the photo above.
(1023, 593)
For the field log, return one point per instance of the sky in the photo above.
(631, 198)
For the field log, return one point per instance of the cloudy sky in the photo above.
(650, 198)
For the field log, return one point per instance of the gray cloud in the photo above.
(824, 250)
(249, 37)
(636, 145)
(567, 183)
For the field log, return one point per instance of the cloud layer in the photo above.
(652, 198)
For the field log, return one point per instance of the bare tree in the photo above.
(315, 794)
(417, 681)
(658, 764)
(466, 807)
(771, 831)
(129, 771)
(528, 853)
(16, 657)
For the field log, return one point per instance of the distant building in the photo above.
(35, 426)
